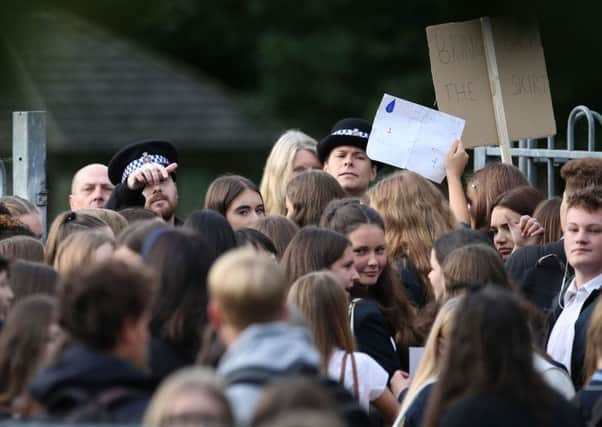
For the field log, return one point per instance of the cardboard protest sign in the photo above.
(463, 79)
(524, 79)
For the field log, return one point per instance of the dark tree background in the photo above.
(306, 64)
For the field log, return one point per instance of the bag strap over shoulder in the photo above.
(343, 368)
(356, 394)
(351, 311)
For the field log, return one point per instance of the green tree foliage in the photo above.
(307, 64)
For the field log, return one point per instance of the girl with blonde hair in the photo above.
(414, 402)
(69, 222)
(114, 219)
(82, 249)
(415, 213)
(323, 302)
(190, 396)
(294, 152)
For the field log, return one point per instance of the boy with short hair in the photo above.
(248, 308)
(583, 248)
(100, 376)
(539, 269)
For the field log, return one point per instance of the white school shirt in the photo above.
(372, 378)
(560, 344)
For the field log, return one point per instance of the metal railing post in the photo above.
(522, 161)
(29, 159)
(480, 158)
(550, 167)
(3, 179)
(576, 114)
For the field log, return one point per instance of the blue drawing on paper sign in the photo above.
(390, 106)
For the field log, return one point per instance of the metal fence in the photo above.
(531, 155)
(28, 161)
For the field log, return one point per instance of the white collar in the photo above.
(587, 287)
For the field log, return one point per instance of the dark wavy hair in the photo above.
(492, 355)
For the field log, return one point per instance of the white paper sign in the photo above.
(410, 136)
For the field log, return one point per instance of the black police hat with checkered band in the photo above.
(350, 131)
(135, 155)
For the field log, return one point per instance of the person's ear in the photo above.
(373, 172)
(214, 314)
(325, 166)
(129, 331)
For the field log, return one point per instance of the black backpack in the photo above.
(347, 407)
(78, 405)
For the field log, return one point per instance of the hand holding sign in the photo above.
(410, 136)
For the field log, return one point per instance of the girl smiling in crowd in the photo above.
(382, 318)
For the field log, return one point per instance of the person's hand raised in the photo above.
(149, 174)
(456, 159)
(527, 231)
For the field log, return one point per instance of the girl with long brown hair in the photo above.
(509, 223)
(23, 345)
(382, 318)
(488, 377)
(315, 248)
(415, 214)
(324, 304)
(473, 206)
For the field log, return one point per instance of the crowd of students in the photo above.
(296, 302)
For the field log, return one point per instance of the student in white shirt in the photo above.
(583, 247)
(323, 302)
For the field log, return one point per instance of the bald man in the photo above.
(91, 187)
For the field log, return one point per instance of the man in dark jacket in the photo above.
(583, 248)
(144, 175)
(99, 378)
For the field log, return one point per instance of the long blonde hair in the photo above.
(432, 357)
(323, 302)
(415, 213)
(279, 169)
